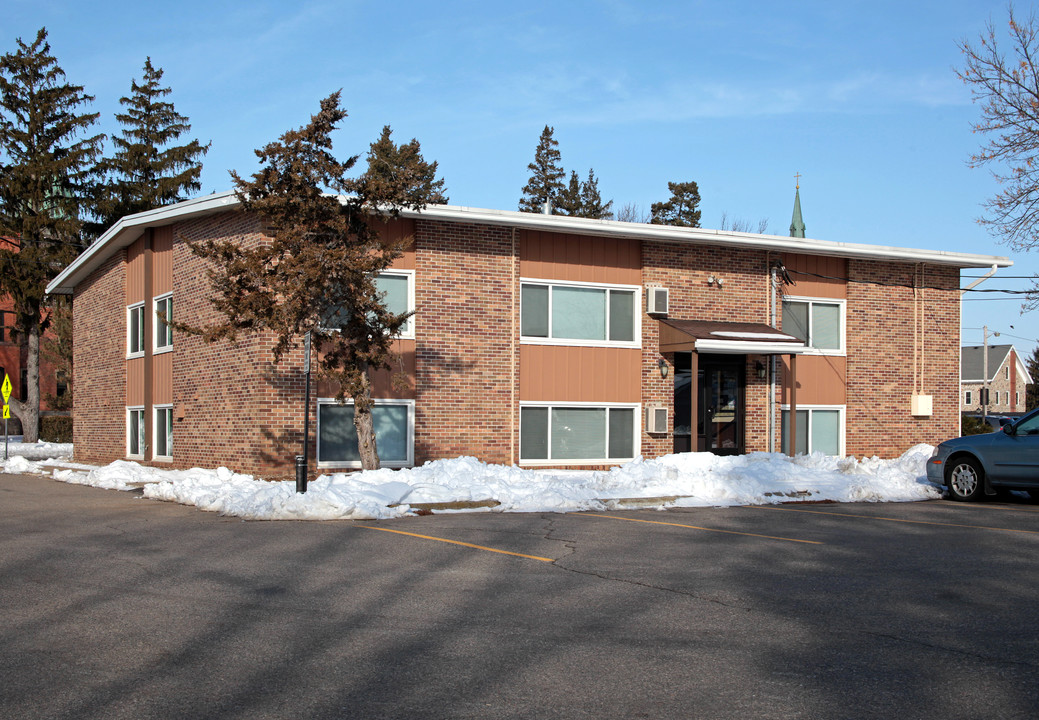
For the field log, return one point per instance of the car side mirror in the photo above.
(1008, 429)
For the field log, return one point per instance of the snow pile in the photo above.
(685, 480)
(37, 450)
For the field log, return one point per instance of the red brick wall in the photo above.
(467, 332)
(881, 357)
(99, 364)
(743, 296)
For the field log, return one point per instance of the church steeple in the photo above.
(797, 224)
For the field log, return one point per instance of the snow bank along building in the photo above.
(537, 339)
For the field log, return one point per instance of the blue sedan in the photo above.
(976, 465)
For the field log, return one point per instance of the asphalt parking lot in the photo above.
(119, 607)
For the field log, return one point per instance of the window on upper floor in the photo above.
(818, 321)
(397, 288)
(135, 330)
(163, 331)
(579, 314)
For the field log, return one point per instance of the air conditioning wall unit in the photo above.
(656, 300)
(656, 420)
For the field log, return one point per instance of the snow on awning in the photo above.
(727, 337)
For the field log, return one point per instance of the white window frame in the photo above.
(142, 438)
(408, 332)
(410, 462)
(1017, 398)
(843, 307)
(636, 430)
(168, 408)
(968, 396)
(636, 342)
(841, 425)
(156, 348)
(130, 311)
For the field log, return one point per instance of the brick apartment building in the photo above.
(539, 340)
(1008, 379)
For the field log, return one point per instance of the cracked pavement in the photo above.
(120, 607)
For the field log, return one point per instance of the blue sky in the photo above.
(861, 98)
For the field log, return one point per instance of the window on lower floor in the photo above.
(967, 397)
(819, 429)
(394, 433)
(164, 432)
(578, 433)
(135, 440)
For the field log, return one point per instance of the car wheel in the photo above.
(965, 479)
(1034, 494)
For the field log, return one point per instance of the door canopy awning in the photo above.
(731, 338)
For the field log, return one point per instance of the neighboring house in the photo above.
(13, 360)
(1007, 379)
(540, 340)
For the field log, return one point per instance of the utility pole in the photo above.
(984, 376)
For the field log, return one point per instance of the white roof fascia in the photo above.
(749, 348)
(1022, 368)
(670, 233)
(129, 228)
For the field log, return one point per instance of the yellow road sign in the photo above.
(7, 412)
(6, 388)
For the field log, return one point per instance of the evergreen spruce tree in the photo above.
(546, 175)
(681, 209)
(393, 167)
(147, 171)
(568, 202)
(591, 201)
(47, 169)
(318, 272)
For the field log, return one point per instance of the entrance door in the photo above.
(721, 381)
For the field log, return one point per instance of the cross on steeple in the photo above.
(797, 181)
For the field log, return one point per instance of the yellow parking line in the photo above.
(697, 527)
(898, 520)
(456, 542)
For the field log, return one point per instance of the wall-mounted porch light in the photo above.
(662, 364)
(760, 367)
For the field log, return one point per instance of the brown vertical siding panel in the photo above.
(162, 378)
(550, 373)
(576, 258)
(135, 272)
(382, 380)
(809, 284)
(135, 381)
(162, 261)
(822, 380)
(397, 230)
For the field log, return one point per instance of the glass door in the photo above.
(721, 388)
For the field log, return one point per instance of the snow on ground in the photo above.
(684, 480)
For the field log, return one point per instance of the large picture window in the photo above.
(577, 433)
(578, 314)
(163, 331)
(394, 422)
(819, 429)
(820, 323)
(135, 329)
